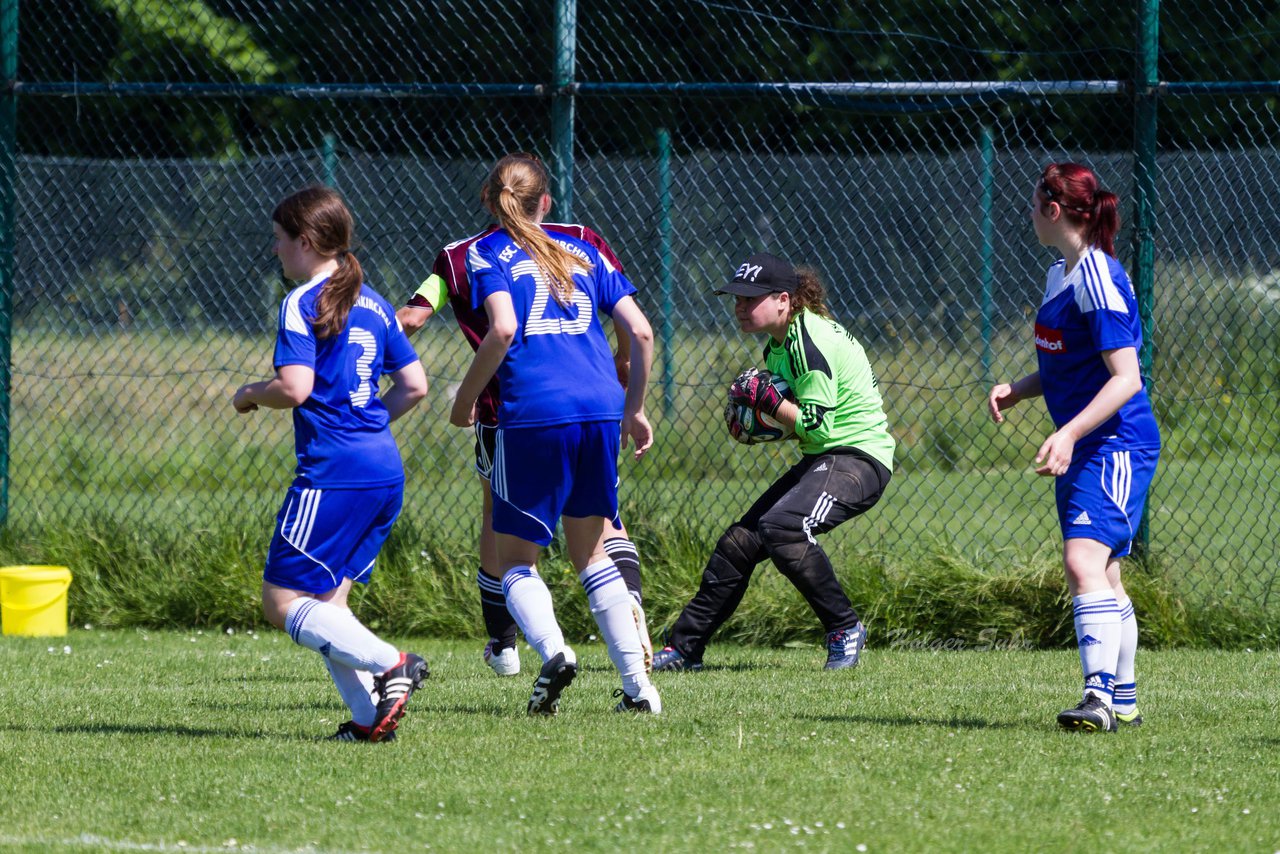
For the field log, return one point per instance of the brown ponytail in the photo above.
(512, 192)
(322, 215)
(810, 293)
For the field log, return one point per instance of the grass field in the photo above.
(189, 741)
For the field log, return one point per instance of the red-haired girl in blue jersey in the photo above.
(1105, 447)
(561, 421)
(336, 339)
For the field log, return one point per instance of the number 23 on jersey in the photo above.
(539, 322)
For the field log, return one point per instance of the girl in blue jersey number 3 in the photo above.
(336, 338)
(1104, 449)
(562, 418)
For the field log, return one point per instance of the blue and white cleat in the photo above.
(845, 646)
(669, 659)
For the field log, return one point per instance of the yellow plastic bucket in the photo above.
(33, 600)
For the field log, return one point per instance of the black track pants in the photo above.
(815, 495)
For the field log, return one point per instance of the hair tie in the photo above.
(508, 188)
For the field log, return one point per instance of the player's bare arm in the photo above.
(622, 356)
(290, 387)
(414, 317)
(635, 327)
(408, 386)
(1007, 395)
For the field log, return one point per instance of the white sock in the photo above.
(529, 602)
(336, 633)
(1126, 696)
(1097, 620)
(356, 688)
(611, 606)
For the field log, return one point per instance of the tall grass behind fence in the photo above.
(893, 146)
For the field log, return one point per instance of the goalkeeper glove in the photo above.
(752, 388)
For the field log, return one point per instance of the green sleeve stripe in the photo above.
(433, 290)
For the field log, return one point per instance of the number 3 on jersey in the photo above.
(539, 323)
(363, 391)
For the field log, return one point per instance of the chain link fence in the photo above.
(893, 145)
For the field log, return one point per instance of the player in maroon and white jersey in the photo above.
(448, 282)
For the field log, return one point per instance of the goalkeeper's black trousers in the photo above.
(815, 495)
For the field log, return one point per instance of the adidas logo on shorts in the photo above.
(1082, 519)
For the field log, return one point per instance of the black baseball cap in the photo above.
(761, 274)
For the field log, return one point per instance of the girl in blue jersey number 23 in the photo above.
(1104, 449)
(336, 338)
(562, 417)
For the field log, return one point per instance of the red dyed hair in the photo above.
(1077, 190)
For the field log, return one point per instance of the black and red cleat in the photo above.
(352, 731)
(394, 687)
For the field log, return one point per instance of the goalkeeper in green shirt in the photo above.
(847, 455)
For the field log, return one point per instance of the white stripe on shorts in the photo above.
(303, 521)
(289, 520)
(499, 476)
(1121, 480)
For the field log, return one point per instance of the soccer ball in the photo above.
(751, 428)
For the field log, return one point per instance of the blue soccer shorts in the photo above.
(1101, 495)
(323, 536)
(541, 473)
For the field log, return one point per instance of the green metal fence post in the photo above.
(8, 221)
(1146, 91)
(566, 37)
(330, 160)
(665, 332)
(987, 145)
